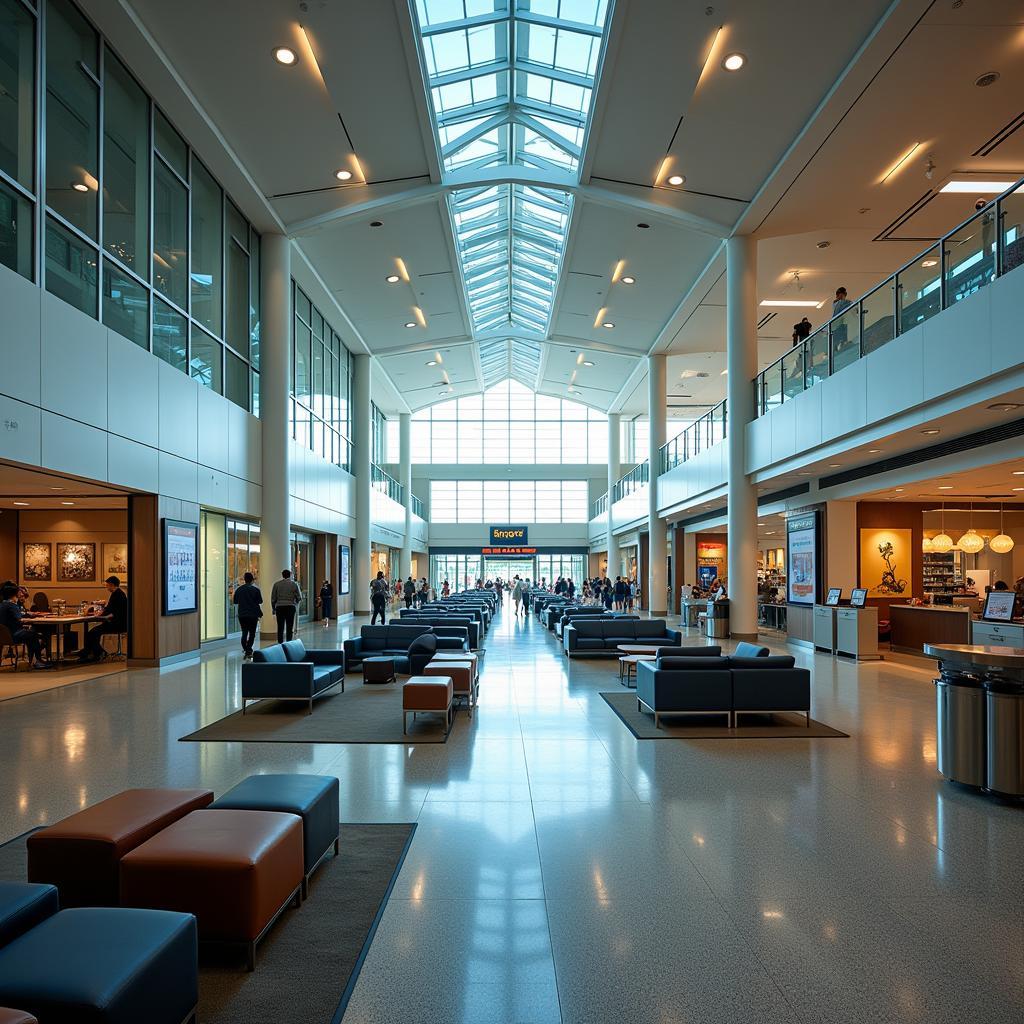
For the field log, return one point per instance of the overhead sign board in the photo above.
(515, 536)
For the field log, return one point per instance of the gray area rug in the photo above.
(701, 727)
(362, 714)
(307, 966)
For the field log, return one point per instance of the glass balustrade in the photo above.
(984, 247)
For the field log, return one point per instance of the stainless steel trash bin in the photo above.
(1004, 735)
(716, 625)
(961, 731)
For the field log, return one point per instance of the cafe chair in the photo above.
(9, 650)
(120, 649)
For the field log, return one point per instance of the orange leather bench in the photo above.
(461, 673)
(235, 870)
(81, 855)
(460, 656)
(427, 693)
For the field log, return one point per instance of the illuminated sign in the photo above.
(508, 551)
(508, 535)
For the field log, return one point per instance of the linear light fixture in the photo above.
(794, 303)
(402, 271)
(418, 313)
(988, 186)
(599, 319)
(899, 163)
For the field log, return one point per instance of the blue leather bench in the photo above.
(289, 671)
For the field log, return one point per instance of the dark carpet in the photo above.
(308, 964)
(362, 714)
(704, 727)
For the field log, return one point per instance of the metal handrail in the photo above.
(418, 508)
(600, 506)
(632, 481)
(386, 484)
(702, 433)
(848, 336)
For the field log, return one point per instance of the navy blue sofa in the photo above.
(412, 647)
(459, 626)
(597, 637)
(289, 671)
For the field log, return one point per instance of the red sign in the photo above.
(508, 551)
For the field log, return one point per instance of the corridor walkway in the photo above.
(564, 871)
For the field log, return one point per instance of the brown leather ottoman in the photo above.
(81, 855)
(235, 870)
(463, 683)
(16, 1017)
(460, 656)
(427, 693)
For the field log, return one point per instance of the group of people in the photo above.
(17, 617)
(622, 594)
(286, 598)
(714, 591)
(802, 330)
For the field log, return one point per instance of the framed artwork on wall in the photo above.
(886, 562)
(76, 563)
(36, 563)
(115, 561)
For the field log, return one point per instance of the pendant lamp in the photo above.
(971, 542)
(1001, 544)
(942, 542)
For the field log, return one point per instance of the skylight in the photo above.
(511, 84)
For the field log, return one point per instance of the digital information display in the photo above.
(181, 567)
(802, 563)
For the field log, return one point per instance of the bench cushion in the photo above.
(427, 693)
(81, 854)
(272, 655)
(115, 967)
(23, 906)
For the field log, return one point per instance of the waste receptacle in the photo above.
(961, 731)
(716, 625)
(1004, 737)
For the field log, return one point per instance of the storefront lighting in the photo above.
(927, 546)
(942, 543)
(972, 542)
(1002, 543)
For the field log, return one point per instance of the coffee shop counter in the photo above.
(913, 626)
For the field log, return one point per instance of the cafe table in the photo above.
(60, 623)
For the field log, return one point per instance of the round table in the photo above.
(627, 667)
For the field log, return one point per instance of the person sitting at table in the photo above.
(114, 619)
(12, 615)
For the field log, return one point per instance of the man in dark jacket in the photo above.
(113, 619)
(409, 592)
(12, 615)
(248, 600)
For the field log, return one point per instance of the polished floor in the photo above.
(564, 871)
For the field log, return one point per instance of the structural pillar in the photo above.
(614, 472)
(362, 431)
(741, 362)
(657, 558)
(405, 479)
(275, 397)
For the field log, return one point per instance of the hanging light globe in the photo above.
(927, 546)
(942, 543)
(1001, 544)
(972, 542)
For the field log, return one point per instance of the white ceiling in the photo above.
(791, 147)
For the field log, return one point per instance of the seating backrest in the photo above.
(688, 664)
(374, 638)
(294, 650)
(404, 636)
(665, 653)
(624, 629)
(274, 655)
(746, 650)
(426, 643)
(773, 661)
(589, 628)
(649, 627)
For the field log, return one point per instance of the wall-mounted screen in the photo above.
(181, 567)
(802, 551)
(346, 583)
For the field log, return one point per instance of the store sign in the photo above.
(508, 551)
(181, 576)
(802, 542)
(515, 535)
(712, 551)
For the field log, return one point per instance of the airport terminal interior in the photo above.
(511, 511)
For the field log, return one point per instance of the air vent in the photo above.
(886, 234)
(966, 443)
(1000, 136)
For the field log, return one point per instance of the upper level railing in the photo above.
(600, 506)
(632, 481)
(417, 507)
(699, 435)
(386, 483)
(984, 247)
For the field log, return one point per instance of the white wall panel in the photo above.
(783, 427)
(72, 447)
(130, 464)
(213, 430)
(20, 437)
(893, 377)
(179, 415)
(19, 333)
(213, 488)
(807, 409)
(1005, 314)
(843, 402)
(178, 477)
(957, 346)
(133, 391)
(73, 350)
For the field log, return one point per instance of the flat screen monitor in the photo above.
(181, 567)
(833, 596)
(999, 606)
(802, 583)
(859, 597)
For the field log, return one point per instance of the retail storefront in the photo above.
(462, 567)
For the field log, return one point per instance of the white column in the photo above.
(657, 396)
(275, 398)
(405, 479)
(741, 361)
(614, 472)
(361, 434)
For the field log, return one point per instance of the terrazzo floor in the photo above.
(564, 871)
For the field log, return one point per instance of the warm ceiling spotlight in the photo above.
(930, 431)
(835, 465)
(411, 323)
(874, 451)
(343, 175)
(734, 61)
(972, 542)
(676, 179)
(431, 362)
(608, 324)
(929, 263)
(285, 55)
(588, 362)
(80, 186)
(21, 504)
(945, 487)
(628, 280)
(392, 279)
(67, 503)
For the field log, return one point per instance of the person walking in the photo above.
(517, 595)
(285, 598)
(249, 602)
(409, 592)
(446, 591)
(326, 602)
(620, 593)
(801, 331)
(379, 599)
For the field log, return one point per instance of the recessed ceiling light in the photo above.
(734, 61)
(21, 504)
(608, 324)
(676, 179)
(1018, 472)
(929, 263)
(1005, 406)
(1018, 488)
(976, 186)
(392, 279)
(432, 362)
(834, 465)
(56, 488)
(724, 373)
(874, 451)
(411, 323)
(643, 226)
(795, 303)
(67, 503)
(804, 473)
(687, 374)
(80, 186)
(376, 223)
(628, 280)
(899, 490)
(343, 175)
(945, 487)
(587, 362)
(930, 431)
(285, 55)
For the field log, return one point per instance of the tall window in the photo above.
(509, 423)
(379, 448)
(509, 501)
(321, 384)
(116, 233)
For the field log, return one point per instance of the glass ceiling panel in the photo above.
(511, 84)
